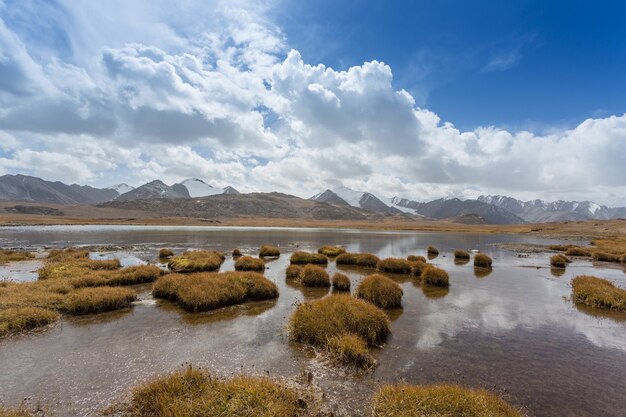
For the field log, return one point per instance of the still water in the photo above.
(513, 331)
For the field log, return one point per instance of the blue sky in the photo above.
(407, 98)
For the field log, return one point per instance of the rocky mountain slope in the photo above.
(154, 190)
(345, 196)
(27, 188)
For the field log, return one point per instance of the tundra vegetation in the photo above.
(293, 272)
(607, 257)
(248, 263)
(365, 260)
(331, 251)
(461, 254)
(482, 261)
(236, 253)
(439, 400)
(381, 291)
(417, 268)
(301, 258)
(14, 256)
(197, 261)
(206, 291)
(340, 282)
(599, 293)
(314, 276)
(416, 258)
(437, 277)
(432, 252)
(326, 323)
(559, 261)
(577, 251)
(165, 253)
(269, 251)
(395, 265)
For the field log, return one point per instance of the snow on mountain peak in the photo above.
(198, 188)
(121, 188)
(349, 195)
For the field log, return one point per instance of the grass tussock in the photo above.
(165, 253)
(69, 254)
(351, 350)
(194, 393)
(340, 282)
(331, 251)
(236, 253)
(607, 257)
(293, 272)
(416, 258)
(395, 265)
(196, 261)
(7, 412)
(269, 251)
(248, 263)
(97, 300)
(433, 251)
(319, 321)
(417, 268)
(439, 401)
(559, 261)
(461, 254)
(82, 273)
(381, 291)
(598, 293)
(365, 260)
(482, 261)
(208, 291)
(314, 276)
(301, 258)
(436, 277)
(19, 319)
(14, 256)
(577, 251)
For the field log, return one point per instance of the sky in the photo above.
(418, 99)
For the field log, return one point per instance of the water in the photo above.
(513, 331)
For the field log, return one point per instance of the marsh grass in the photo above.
(461, 254)
(236, 253)
(599, 293)
(340, 282)
(19, 319)
(269, 251)
(395, 265)
(577, 251)
(559, 261)
(351, 350)
(331, 251)
(432, 251)
(381, 291)
(69, 254)
(482, 261)
(293, 272)
(248, 263)
(437, 277)
(97, 300)
(7, 412)
(607, 257)
(416, 258)
(165, 253)
(561, 248)
(314, 276)
(364, 260)
(417, 268)
(14, 256)
(194, 393)
(207, 291)
(196, 261)
(439, 401)
(301, 258)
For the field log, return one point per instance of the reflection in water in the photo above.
(434, 292)
(557, 272)
(461, 261)
(618, 316)
(480, 272)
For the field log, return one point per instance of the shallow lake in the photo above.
(513, 331)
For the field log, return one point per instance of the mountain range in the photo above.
(193, 195)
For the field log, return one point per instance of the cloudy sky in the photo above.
(419, 99)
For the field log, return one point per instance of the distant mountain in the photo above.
(455, 208)
(27, 188)
(538, 211)
(360, 199)
(197, 188)
(155, 190)
(120, 188)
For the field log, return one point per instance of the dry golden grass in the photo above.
(577, 251)
(340, 282)
(598, 292)
(331, 251)
(82, 273)
(319, 321)
(6, 412)
(19, 319)
(607, 257)
(236, 253)
(417, 268)
(248, 263)
(461, 254)
(558, 261)
(439, 401)
(416, 258)
(365, 260)
(269, 251)
(14, 256)
(314, 276)
(436, 277)
(69, 254)
(293, 272)
(381, 291)
(166, 253)
(395, 265)
(208, 291)
(196, 261)
(561, 248)
(195, 393)
(302, 258)
(431, 250)
(97, 300)
(349, 349)
(482, 261)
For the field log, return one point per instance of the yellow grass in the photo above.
(236, 253)
(395, 265)
(349, 349)
(269, 251)
(293, 272)
(69, 254)
(598, 292)
(196, 261)
(314, 276)
(558, 261)
(483, 261)
(208, 291)
(461, 254)
(301, 258)
(606, 257)
(437, 277)
(18, 319)
(577, 251)
(331, 251)
(365, 260)
(431, 250)
(416, 258)
(96, 300)
(381, 291)
(417, 268)
(444, 400)
(14, 256)
(340, 282)
(248, 263)
(166, 253)
(6, 412)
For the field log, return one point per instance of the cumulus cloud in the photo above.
(214, 92)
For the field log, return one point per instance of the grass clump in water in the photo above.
(269, 251)
(365, 260)
(166, 253)
(194, 393)
(606, 257)
(19, 319)
(559, 261)
(349, 349)
(293, 272)
(461, 254)
(97, 300)
(395, 265)
(208, 291)
(577, 251)
(598, 292)
(340, 282)
(314, 276)
(236, 253)
(439, 401)
(301, 258)
(331, 251)
(432, 252)
(196, 261)
(248, 263)
(69, 254)
(381, 291)
(482, 261)
(437, 277)
(417, 268)
(416, 258)
(14, 256)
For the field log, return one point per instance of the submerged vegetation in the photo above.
(439, 401)
(437, 277)
(482, 261)
(269, 251)
(381, 291)
(301, 258)
(395, 265)
(331, 251)
(248, 263)
(598, 292)
(340, 282)
(366, 260)
(314, 276)
(197, 261)
(207, 291)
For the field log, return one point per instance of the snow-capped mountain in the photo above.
(152, 190)
(120, 188)
(359, 199)
(198, 188)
